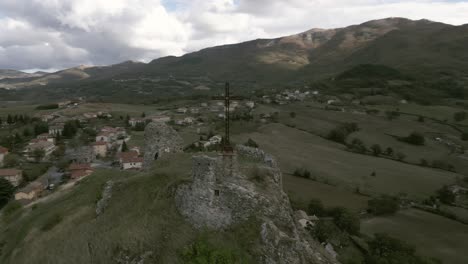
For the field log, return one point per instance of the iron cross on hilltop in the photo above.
(227, 148)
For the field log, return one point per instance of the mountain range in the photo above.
(421, 48)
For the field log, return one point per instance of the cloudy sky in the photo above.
(57, 34)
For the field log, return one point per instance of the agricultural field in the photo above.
(432, 235)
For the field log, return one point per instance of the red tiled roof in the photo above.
(9, 172)
(79, 174)
(127, 155)
(78, 166)
(132, 159)
(3, 150)
(100, 143)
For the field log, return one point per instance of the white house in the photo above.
(56, 130)
(132, 162)
(14, 176)
(47, 146)
(3, 153)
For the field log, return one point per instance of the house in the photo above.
(250, 104)
(126, 155)
(161, 118)
(182, 110)
(46, 137)
(47, 146)
(31, 192)
(104, 137)
(83, 154)
(14, 176)
(3, 153)
(132, 162)
(56, 130)
(64, 104)
(135, 121)
(194, 110)
(79, 170)
(100, 149)
(47, 118)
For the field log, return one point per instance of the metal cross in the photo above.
(227, 103)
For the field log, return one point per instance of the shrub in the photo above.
(11, 208)
(303, 173)
(6, 192)
(415, 138)
(292, 114)
(446, 196)
(324, 231)
(47, 107)
(341, 132)
(251, 143)
(464, 136)
(424, 163)
(376, 150)
(315, 207)
(358, 146)
(389, 152)
(401, 156)
(345, 220)
(385, 205)
(385, 249)
(203, 252)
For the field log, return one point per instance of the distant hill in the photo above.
(422, 49)
(4, 74)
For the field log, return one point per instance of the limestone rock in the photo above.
(160, 139)
(221, 195)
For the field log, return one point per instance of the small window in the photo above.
(216, 192)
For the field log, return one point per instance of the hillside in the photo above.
(421, 48)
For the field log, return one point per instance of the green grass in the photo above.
(432, 235)
(140, 217)
(330, 162)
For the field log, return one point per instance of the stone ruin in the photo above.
(221, 195)
(160, 139)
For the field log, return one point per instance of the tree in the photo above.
(11, 160)
(389, 152)
(27, 133)
(376, 149)
(315, 207)
(38, 154)
(421, 119)
(124, 147)
(6, 191)
(384, 205)
(40, 128)
(143, 114)
(384, 249)
(415, 138)
(345, 220)
(446, 196)
(358, 146)
(324, 231)
(9, 119)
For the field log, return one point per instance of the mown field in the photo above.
(329, 162)
(432, 235)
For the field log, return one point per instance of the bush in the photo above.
(446, 196)
(358, 146)
(11, 160)
(303, 173)
(459, 116)
(345, 220)
(6, 192)
(415, 138)
(464, 136)
(47, 107)
(11, 208)
(251, 143)
(376, 150)
(401, 156)
(315, 207)
(341, 132)
(385, 205)
(324, 231)
(384, 249)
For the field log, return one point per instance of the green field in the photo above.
(433, 235)
(330, 162)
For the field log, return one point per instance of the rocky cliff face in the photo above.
(225, 192)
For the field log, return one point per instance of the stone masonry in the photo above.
(221, 195)
(160, 139)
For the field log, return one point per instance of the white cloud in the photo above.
(57, 34)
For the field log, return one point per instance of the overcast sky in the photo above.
(57, 34)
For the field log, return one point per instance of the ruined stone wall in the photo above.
(216, 201)
(160, 139)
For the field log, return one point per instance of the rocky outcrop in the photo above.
(160, 139)
(105, 197)
(221, 195)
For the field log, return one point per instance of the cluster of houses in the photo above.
(287, 97)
